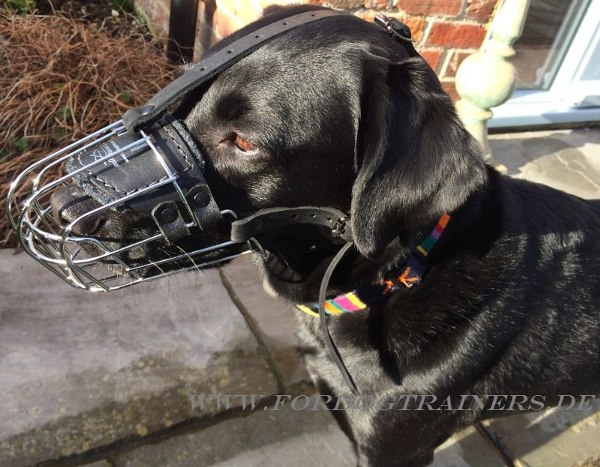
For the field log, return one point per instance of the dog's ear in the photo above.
(414, 159)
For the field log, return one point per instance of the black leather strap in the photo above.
(215, 64)
(334, 353)
(169, 221)
(268, 219)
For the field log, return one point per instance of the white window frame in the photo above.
(569, 99)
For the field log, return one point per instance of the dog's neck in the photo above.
(470, 232)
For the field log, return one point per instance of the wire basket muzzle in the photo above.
(154, 175)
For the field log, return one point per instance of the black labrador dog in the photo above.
(339, 114)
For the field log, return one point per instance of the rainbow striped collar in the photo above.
(365, 296)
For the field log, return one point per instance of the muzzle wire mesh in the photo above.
(82, 260)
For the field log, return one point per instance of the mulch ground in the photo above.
(67, 70)
(105, 14)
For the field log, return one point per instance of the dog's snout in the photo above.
(71, 203)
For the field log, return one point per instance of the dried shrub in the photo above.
(62, 79)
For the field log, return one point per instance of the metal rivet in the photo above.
(201, 199)
(145, 109)
(169, 215)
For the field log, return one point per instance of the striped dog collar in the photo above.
(365, 296)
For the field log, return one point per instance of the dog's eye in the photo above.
(243, 144)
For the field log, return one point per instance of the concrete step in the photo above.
(273, 320)
(81, 371)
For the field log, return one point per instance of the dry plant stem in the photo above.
(61, 79)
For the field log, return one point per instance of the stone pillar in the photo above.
(486, 79)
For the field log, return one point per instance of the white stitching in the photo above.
(108, 185)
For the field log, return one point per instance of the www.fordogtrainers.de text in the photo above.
(495, 402)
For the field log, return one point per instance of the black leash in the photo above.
(405, 276)
(331, 347)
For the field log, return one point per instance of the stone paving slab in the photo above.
(264, 438)
(83, 370)
(466, 449)
(557, 438)
(565, 159)
(273, 317)
(286, 438)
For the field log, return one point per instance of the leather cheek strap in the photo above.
(268, 219)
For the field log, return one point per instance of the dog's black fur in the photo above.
(344, 116)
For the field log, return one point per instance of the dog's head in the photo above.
(335, 114)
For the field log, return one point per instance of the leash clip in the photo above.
(340, 227)
(396, 28)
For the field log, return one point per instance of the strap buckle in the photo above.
(396, 28)
(339, 229)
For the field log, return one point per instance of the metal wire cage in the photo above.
(84, 261)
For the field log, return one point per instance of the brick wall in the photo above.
(446, 31)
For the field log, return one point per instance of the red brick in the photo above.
(417, 26)
(450, 89)
(459, 35)
(456, 59)
(432, 57)
(480, 9)
(431, 7)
